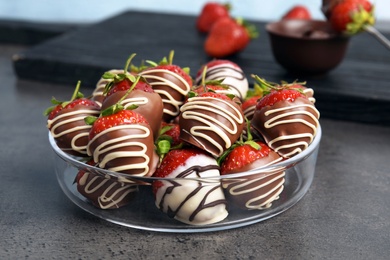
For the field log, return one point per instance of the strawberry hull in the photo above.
(211, 124)
(287, 127)
(126, 149)
(149, 105)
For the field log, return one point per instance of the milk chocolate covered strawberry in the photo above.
(140, 97)
(286, 119)
(66, 122)
(171, 82)
(260, 188)
(121, 140)
(184, 192)
(211, 121)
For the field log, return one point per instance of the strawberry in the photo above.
(103, 192)
(171, 82)
(181, 191)
(228, 72)
(351, 16)
(121, 140)
(286, 119)
(229, 36)
(66, 122)
(210, 13)
(168, 139)
(298, 12)
(140, 97)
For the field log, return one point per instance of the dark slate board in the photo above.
(358, 90)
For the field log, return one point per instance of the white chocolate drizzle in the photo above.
(204, 105)
(108, 148)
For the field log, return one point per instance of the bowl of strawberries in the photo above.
(152, 150)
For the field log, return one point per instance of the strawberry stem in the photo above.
(170, 57)
(128, 62)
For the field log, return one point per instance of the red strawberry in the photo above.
(351, 16)
(211, 12)
(190, 201)
(228, 72)
(66, 122)
(286, 119)
(257, 190)
(228, 36)
(171, 82)
(122, 141)
(298, 12)
(104, 192)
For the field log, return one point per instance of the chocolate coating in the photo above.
(211, 124)
(150, 105)
(105, 192)
(287, 127)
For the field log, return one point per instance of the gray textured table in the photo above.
(345, 214)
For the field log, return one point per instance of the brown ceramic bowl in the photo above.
(306, 46)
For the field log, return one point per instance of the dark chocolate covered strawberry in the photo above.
(211, 121)
(171, 82)
(121, 140)
(286, 119)
(184, 192)
(66, 122)
(258, 189)
(104, 192)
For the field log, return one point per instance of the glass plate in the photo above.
(142, 213)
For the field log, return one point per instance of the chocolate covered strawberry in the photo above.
(66, 122)
(104, 192)
(140, 97)
(229, 36)
(171, 82)
(210, 13)
(286, 119)
(187, 190)
(211, 121)
(258, 189)
(122, 141)
(228, 72)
